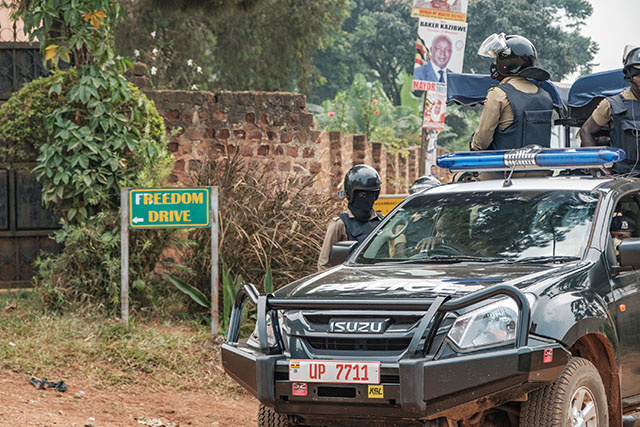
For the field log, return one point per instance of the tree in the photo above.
(240, 45)
(377, 40)
(561, 48)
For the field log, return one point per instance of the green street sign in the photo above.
(169, 207)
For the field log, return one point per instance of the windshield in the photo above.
(500, 225)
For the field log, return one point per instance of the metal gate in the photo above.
(25, 225)
(19, 63)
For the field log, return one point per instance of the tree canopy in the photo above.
(551, 25)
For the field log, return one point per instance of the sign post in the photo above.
(169, 208)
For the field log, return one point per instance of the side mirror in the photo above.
(629, 251)
(340, 252)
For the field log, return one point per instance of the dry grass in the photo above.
(266, 220)
(180, 356)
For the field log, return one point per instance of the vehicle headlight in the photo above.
(253, 340)
(494, 324)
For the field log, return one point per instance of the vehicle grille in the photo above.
(358, 344)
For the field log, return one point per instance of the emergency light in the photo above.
(532, 158)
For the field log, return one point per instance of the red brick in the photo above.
(264, 119)
(292, 152)
(255, 135)
(187, 117)
(315, 167)
(203, 116)
(223, 134)
(173, 115)
(178, 165)
(263, 150)
(194, 134)
(209, 133)
(219, 116)
(172, 147)
(185, 148)
(286, 137)
(173, 178)
(247, 150)
(271, 135)
(250, 118)
(284, 166)
(278, 150)
(293, 119)
(308, 152)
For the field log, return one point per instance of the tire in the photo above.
(267, 417)
(554, 404)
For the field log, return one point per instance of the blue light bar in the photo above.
(532, 158)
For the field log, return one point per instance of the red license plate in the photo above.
(334, 371)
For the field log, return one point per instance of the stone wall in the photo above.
(275, 132)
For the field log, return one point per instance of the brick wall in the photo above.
(272, 130)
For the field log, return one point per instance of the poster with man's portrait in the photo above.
(435, 106)
(440, 51)
(452, 10)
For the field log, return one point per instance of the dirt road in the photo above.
(21, 404)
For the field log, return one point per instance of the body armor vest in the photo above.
(357, 230)
(531, 120)
(625, 134)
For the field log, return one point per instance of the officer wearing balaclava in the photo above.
(361, 189)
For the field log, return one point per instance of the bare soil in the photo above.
(87, 404)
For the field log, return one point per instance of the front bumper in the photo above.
(412, 388)
(416, 386)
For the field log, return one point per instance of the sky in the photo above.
(613, 24)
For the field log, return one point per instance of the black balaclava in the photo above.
(362, 204)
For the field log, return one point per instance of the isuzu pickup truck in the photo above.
(502, 303)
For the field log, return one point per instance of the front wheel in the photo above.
(267, 417)
(576, 399)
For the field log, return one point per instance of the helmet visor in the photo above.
(493, 45)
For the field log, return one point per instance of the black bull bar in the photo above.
(267, 304)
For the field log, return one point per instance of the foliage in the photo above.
(377, 40)
(230, 288)
(247, 45)
(101, 136)
(86, 273)
(365, 109)
(269, 224)
(105, 135)
(175, 44)
(23, 116)
(460, 123)
(561, 48)
(78, 29)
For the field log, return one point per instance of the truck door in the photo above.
(625, 308)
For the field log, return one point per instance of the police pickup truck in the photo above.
(487, 303)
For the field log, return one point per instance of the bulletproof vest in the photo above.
(357, 230)
(531, 120)
(625, 133)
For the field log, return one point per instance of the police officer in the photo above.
(621, 113)
(517, 112)
(361, 188)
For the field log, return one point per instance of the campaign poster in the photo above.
(450, 10)
(435, 106)
(439, 51)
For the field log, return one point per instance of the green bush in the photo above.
(22, 117)
(87, 270)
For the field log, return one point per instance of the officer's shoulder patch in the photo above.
(335, 218)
